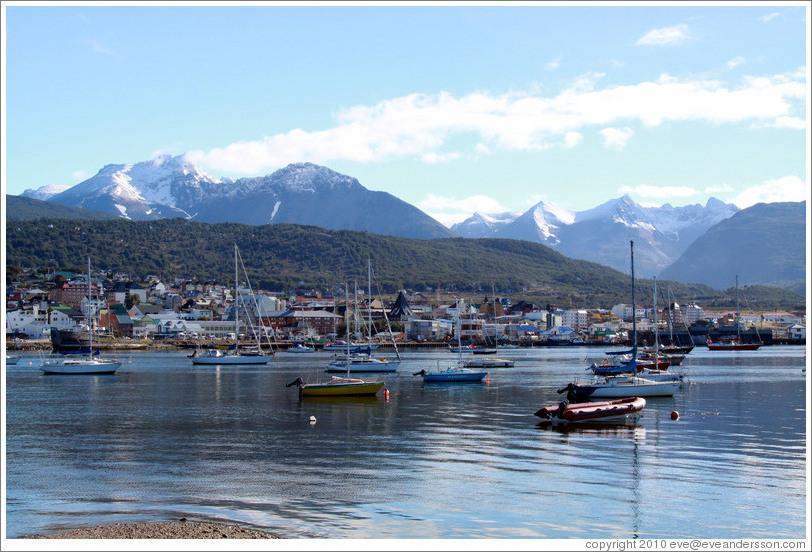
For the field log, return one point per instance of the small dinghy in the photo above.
(591, 411)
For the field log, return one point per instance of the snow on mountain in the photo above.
(44, 192)
(600, 234)
(481, 225)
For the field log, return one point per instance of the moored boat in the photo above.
(491, 362)
(734, 343)
(591, 411)
(452, 374)
(619, 387)
(337, 387)
(89, 364)
(234, 356)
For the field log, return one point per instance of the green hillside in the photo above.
(286, 257)
(26, 208)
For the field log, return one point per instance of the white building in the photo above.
(428, 330)
(575, 318)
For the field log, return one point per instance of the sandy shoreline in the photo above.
(161, 530)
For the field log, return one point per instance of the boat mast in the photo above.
(89, 302)
(459, 334)
(236, 302)
(347, 323)
(738, 330)
(369, 303)
(634, 310)
(656, 332)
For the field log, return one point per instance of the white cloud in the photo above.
(616, 138)
(786, 188)
(422, 125)
(552, 65)
(790, 122)
(735, 62)
(666, 36)
(80, 176)
(450, 210)
(572, 139)
(770, 17)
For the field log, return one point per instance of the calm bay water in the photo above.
(163, 439)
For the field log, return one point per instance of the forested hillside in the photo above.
(285, 257)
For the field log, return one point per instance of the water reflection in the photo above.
(163, 439)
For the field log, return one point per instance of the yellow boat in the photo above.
(337, 387)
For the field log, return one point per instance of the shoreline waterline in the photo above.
(160, 530)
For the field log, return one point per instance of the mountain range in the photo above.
(309, 194)
(302, 193)
(602, 234)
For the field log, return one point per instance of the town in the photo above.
(41, 309)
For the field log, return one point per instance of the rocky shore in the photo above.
(161, 530)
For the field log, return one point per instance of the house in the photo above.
(797, 331)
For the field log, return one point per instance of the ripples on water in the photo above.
(164, 439)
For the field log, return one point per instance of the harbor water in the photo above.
(163, 439)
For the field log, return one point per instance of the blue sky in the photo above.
(454, 109)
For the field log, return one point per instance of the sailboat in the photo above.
(365, 362)
(234, 355)
(623, 386)
(87, 364)
(453, 373)
(734, 343)
(338, 386)
(657, 368)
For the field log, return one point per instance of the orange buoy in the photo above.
(487, 379)
(675, 415)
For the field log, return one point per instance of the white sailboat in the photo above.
(365, 362)
(87, 364)
(622, 386)
(233, 355)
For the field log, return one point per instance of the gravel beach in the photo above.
(161, 530)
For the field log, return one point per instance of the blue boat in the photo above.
(452, 374)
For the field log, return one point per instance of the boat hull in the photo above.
(80, 367)
(454, 376)
(340, 389)
(632, 387)
(733, 346)
(591, 411)
(229, 360)
(489, 363)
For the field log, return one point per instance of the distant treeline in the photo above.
(287, 257)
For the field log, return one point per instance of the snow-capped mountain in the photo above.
(44, 192)
(301, 193)
(602, 234)
(481, 225)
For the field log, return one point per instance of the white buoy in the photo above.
(312, 419)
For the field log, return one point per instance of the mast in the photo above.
(738, 330)
(634, 311)
(369, 303)
(89, 302)
(347, 323)
(236, 302)
(656, 332)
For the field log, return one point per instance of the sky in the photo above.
(453, 108)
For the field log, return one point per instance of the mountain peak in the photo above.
(312, 178)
